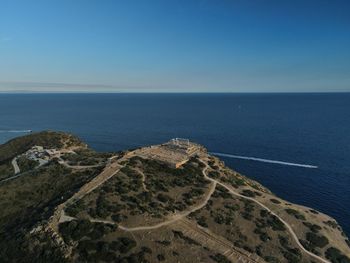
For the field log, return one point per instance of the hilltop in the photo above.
(63, 202)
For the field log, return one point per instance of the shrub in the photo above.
(316, 240)
(220, 258)
(264, 213)
(271, 259)
(247, 248)
(336, 256)
(219, 218)
(75, 208)
(313, 227)
(331, 223)
(146, 250)
(75, 229)
(276, 224)
(124, 244)
(117, 218)
(188, 240)
(160, 257)
(275, 201)
(249, 193)
(164, 242)
(214, 174)
(202, 221)
(264, 237)
(164, 198)
(293, 255)
(247, 216)
(296, 213)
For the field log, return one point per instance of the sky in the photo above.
(174, 46)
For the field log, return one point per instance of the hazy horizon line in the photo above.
(172, 92)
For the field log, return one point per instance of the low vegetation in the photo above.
(336, 256)
(144, 187)
(295, 213)
(32, 198)
(146, 192)
(6, 170)
(47, 139)
(26, 164)
(85, 157)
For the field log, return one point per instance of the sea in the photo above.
(297, 145)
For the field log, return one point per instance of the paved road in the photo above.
(12, 177)
(295, 237)
(16, 169)
(15, 165)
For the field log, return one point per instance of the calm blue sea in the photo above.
(311, 129)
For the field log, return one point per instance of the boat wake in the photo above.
(15, 131)
(264, 160)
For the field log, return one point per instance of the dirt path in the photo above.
(15, 166)
(78, 167)
(291, 231)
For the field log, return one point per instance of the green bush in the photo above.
(160, 257)
(293, 255)
(220, 258)
(75, 230)
(335, 256)
(295, 213)
(331, 223)
(202, 221)
(316, 240)
(275, 201)
(264, 213)
(313, 227)
(164, 198)
(249, 193)
(275, 223)
(271, 259)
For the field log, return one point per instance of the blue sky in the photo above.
(175, 46)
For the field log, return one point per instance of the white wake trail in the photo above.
(264, 160)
